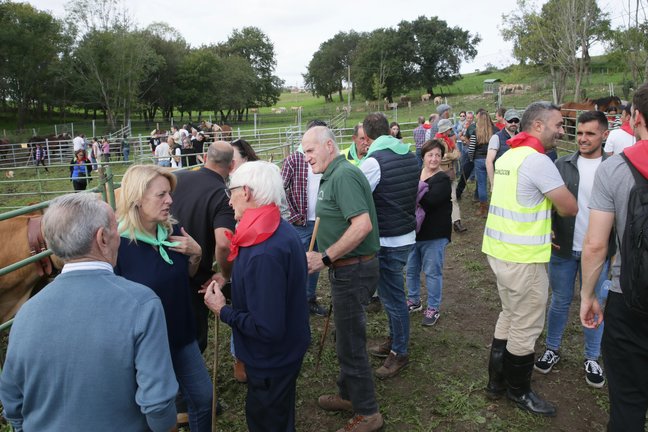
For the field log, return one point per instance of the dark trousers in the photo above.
(351, 288)
(79, 185)
(625, 352)
(270, 402)
(466, 170)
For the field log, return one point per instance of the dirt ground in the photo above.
(442, 388)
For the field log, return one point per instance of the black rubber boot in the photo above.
(496, 386)
(517, 371)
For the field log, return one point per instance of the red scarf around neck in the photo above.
(625, 126)
(447, 140)
(256, 226)
(524, 139)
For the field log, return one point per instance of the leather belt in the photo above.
(353, 260)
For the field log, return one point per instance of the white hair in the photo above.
(264, 180)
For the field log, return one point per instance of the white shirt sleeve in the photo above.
(371, 169)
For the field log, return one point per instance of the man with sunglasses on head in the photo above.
(497, 145)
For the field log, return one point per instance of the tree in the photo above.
(438, 50)
(252, 44)
(382, 64)
(112, 59)
(328, 69)
(631, 44)
(160, 90)
(559, 37)
(30, 43)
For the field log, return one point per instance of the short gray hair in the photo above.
(263, 178)
(324, 134)
(71, 222)
(536, 111)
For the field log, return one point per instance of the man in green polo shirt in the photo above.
(348, 242)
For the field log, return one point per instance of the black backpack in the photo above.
(634, 247)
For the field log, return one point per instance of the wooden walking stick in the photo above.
(328, 316)
(215, 365)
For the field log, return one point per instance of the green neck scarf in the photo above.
(388, 142)
(160, 241)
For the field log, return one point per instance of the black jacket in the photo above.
(437, 204)
(563, 227)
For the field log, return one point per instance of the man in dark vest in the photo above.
(497, 145)
(393, 174)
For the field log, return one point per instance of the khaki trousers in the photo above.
(523, 291)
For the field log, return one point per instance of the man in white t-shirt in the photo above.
(577, 170)
(79, 143)
(622, 137)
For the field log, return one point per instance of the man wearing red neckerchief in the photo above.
(625, 337)
(622, 137)
(517, 242)
(268, 314)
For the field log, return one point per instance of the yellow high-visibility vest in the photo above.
(513, 232)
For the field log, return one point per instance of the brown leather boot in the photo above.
(239, 371)
(483, 210)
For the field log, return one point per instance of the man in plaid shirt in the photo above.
(301, 187)
(419, 139)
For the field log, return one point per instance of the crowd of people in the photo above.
(238, 237)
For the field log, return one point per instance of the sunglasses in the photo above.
(514, 121)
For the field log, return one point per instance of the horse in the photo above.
(570, 110)
(5, 148)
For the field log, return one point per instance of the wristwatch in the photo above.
(326, 260)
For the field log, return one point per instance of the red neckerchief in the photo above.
(500, 126)
(524, 139)
(625, 126)
(447, 140)
(256, 226)
(638, 155)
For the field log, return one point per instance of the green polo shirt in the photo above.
(343, 194)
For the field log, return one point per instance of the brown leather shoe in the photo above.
(334, 403)
(361, 423)
(392, 366)
(381, 350)
(239, 371)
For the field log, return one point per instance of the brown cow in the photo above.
(17, 286)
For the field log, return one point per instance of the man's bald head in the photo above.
(220, 154)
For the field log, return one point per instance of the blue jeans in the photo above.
(562, 277)
(482, 179)
(126, 153)
(305, 235)
(391, 290)
(351, 288)
(195, 385)
(164, 163)
(426, 256)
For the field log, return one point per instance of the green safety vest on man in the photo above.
(516, 233)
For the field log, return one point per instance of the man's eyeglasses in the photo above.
(514, 121)
(228, 191)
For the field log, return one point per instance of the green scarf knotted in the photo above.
(160, 241)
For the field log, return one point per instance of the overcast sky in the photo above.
(298, 27)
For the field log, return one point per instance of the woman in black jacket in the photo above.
(428, 253)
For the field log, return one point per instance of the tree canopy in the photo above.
(388, 61)
(103, 61)
(558, 37)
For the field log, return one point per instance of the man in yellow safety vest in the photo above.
(517, 241)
